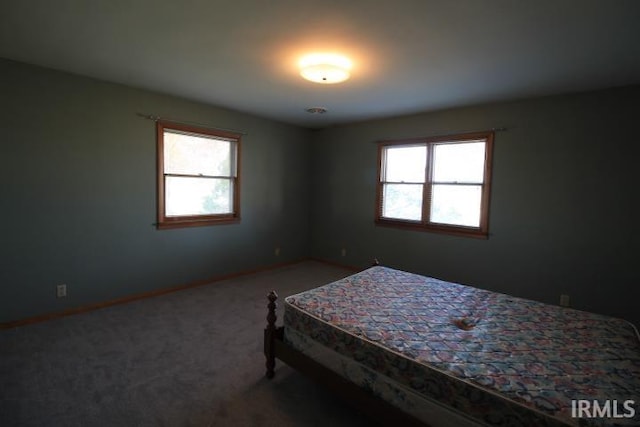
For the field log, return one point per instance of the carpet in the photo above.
(189, 358)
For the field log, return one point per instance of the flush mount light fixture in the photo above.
(325, 68)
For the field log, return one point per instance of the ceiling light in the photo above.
(325, 68)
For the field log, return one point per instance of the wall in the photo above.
(563, 213)
(77, 199)
(78, 194)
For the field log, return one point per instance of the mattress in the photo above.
(495, 359)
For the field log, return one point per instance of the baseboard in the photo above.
(353, 268)
(150, 294)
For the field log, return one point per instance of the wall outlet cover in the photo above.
(61, 291)
(564, 300)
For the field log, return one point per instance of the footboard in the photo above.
(275, 347)
(271, 333)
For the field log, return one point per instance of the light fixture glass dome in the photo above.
(325, 68)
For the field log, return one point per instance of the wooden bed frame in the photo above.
(276, 348)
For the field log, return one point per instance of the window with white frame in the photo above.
(198, 176)
(439, 184)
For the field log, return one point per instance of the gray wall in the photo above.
(563, 212)
(77, 199)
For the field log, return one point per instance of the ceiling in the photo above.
(409, 56)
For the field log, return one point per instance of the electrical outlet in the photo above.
(61, 291)
(564, 300)
(277, 251)
(343, 252)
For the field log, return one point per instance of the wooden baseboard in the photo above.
(143, 295)
(337, 264)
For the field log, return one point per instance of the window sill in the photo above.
(178, 223)
(434, 228)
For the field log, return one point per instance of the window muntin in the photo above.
(198, 179)
(438, 184)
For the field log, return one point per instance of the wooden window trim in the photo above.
(482, 231)
(165, 222)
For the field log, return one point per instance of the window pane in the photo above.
(402, 201)
(194, 155)
(456, 204)
(459, 162)
(405, 164)
(198, 196)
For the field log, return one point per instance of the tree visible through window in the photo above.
(197, 176)
(438, 184)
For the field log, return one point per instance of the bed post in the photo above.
(270, 334)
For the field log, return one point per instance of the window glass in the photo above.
(405, 164)
(461, 162)
(403, 201)
(198, 196)
(196, 155)
(456, 204)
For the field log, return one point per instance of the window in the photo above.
(437, 184)
(198, 172)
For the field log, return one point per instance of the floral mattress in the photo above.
(498, 359)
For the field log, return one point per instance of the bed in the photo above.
(414, 350)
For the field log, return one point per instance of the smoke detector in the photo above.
(316, 110)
